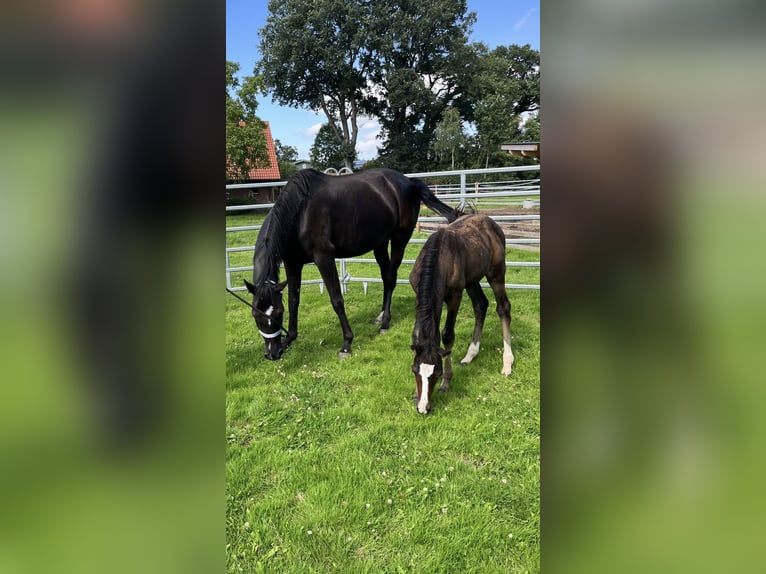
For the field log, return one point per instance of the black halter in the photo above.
(266, 335)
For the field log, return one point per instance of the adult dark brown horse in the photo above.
(455, 258)
(318, 218)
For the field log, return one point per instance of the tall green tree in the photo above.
(449, 139)
(327, 152)
(507, 86)
(287, 155)
(401, 62)
(423, 66)
(315, 55)
(245, 140)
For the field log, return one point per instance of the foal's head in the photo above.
(268, 312)
(427, 368)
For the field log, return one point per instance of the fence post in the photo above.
(462, 191)
(343, 277)
(228, 273)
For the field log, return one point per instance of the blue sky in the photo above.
(497, 24)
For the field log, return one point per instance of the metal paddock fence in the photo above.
(494, 194)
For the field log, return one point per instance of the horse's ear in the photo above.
(279, 287)
(250, 287)
(416, 348)
(443, 353)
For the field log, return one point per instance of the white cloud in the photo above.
(367, 142)
(311, 131)
(369, 124)
(518, 25)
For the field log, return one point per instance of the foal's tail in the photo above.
(427, 196)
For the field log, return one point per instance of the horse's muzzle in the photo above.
(415, 402)
(272, 354)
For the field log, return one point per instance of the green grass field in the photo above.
(331, 469)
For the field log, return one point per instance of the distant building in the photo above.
(261, 175)
(303, 164)
(522, 149)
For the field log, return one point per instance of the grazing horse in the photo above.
(454, 258)
(318, 218)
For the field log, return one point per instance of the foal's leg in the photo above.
(480, 305)
(504, 312)
(294, 273)
(326, 264)
(448, 338)
(384, 263)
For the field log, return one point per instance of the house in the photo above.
(523, 149)
(303, 164)
(260, 175)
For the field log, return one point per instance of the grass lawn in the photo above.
(331, 469)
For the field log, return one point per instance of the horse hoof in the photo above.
(344, 354)
(383, 331)
(462, 364)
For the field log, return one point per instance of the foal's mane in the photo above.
(274, 235)
(428, 293)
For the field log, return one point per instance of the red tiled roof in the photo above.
(270, 173)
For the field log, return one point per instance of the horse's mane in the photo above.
(275, 233)
(427, 293)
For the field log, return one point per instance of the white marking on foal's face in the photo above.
(425, 373)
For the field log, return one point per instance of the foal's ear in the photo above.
(279, 287)
(250, 287)
(443, 353)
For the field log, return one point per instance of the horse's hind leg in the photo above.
(504, 312)
(480, 305)
(326, 265)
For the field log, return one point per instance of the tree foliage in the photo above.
(404, 63)
(287, 155)
(245, 140)
(449, 139)
(327, 152)
(508, 85)
(423, 66)
(314, 56)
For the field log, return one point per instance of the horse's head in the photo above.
(268, 312)
(427, 368)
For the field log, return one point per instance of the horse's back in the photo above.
(483, 243)
(354, 214)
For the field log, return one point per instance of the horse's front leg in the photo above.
(294, 275)
(448, 338)
(326, 265)
(389, 267)
(384, 263)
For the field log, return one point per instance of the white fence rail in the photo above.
(495, 193)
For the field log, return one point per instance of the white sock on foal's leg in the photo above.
(473, 350)
(507, 359)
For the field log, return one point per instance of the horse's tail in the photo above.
(427, 196)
